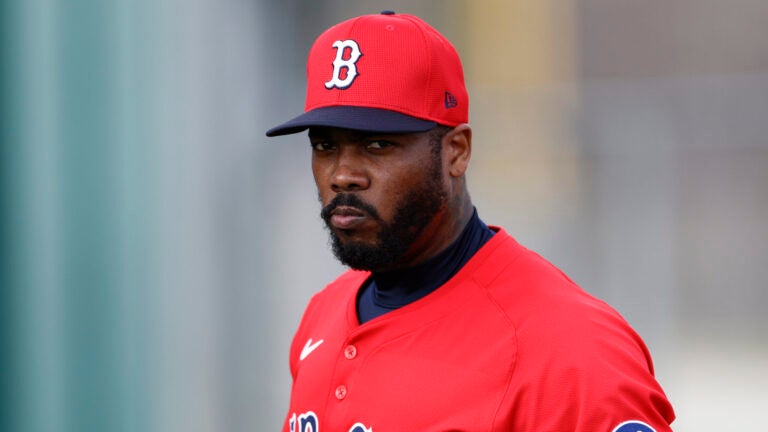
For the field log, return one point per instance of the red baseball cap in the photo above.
(389, 73)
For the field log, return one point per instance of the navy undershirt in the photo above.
(387, 291)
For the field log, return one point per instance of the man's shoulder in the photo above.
(344, 286)
(534, 293)
(509, 269)
(331, 304)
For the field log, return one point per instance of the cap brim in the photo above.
(356, 118)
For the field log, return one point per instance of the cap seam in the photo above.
(426, 102)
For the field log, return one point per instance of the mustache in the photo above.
(348, 200)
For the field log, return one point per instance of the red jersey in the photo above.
(508, 344)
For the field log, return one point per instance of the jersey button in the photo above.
(341, 392)
(350, 352)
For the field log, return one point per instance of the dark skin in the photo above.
(380, 169)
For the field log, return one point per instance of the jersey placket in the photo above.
(342, 387)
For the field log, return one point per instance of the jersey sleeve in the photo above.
(599, 378)
(579, 366)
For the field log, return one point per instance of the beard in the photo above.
(412, 214)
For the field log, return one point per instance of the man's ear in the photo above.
(457, 145)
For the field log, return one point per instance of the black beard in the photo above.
(412, 214)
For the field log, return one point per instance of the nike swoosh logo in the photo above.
(308, 348)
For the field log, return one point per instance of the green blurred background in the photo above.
(158, 250)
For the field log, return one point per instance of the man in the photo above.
(442, 323)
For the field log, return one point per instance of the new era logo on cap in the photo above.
(386, 73)
(450, 100)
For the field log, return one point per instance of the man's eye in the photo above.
(379, 144)
(322, 146)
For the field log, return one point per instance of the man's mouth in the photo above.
(345, 217)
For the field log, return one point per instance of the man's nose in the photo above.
(350, 173)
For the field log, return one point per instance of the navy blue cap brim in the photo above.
(355, 118)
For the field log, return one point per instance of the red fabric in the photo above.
(508, 344)
(405, 66)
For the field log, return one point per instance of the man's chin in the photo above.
(359, 255)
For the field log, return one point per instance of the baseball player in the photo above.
(443, 323)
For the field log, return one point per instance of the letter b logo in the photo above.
(344, 69)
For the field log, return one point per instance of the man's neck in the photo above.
(390, 290)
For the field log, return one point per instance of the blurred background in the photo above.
(158, 250)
